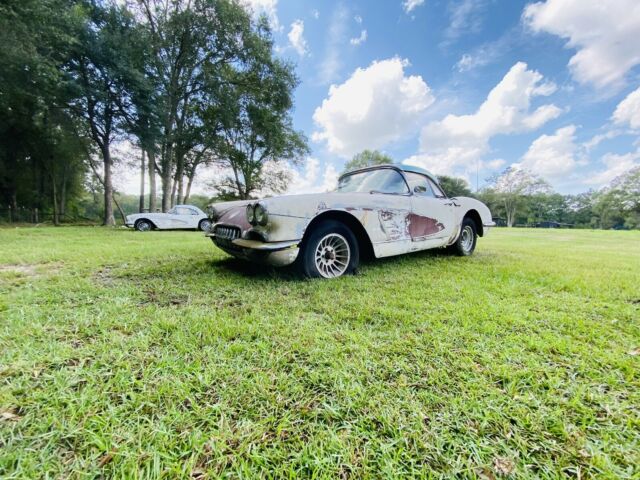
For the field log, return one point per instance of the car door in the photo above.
(182, 218)
(432, 220)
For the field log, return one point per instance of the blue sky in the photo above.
(413, 79)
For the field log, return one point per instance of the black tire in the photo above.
(466, 242)
(143, 225)
(204, 225)
(332, 233)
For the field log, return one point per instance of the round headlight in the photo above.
(261, 215)
(213, 214)
(251, 217)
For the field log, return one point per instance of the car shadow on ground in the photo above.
(255, 271)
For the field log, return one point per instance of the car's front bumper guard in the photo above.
(277, 254)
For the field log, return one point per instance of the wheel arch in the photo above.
(475, 216)
(365, 246)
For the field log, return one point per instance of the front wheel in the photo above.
(466, 242)
(204, 225)
(330, 251)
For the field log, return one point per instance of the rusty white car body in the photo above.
(384, 210)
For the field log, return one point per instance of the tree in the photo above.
(100, 68)
(618, 204)
(512, 186)
(193, 42)
(250, 123)
(39, 151)
(454, 187)
(367, 158)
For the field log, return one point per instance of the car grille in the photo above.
(226, 232)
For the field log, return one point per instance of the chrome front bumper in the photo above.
(278, 254)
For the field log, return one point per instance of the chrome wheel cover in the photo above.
(143, 226)
(332, 255)
(466, 240)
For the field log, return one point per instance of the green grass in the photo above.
(156, 356)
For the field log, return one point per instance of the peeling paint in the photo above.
(420, 226)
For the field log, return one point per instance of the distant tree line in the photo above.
(188, 82)
(518, 197)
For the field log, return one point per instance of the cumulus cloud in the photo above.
(614, 166)
(374, 107)
(605, 35)
(554, 157)
(265, 7)
(310, 181)
(627, 112)
(457, 143)
(410, 5)
(358, 40)
(296, 37)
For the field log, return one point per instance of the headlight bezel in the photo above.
(260, 214)
(250, 214)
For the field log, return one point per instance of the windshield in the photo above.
(384, 180)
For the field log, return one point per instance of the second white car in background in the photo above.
(179, 217)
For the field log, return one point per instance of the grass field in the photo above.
(154, 355)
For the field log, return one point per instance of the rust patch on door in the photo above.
(420, 226)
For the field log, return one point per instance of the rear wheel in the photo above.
(466, 242)
(330, 251)
(143, 225)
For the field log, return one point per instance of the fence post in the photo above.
(10, 214)
(35, 216)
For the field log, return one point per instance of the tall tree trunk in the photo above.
(180, 189)
(63, 192)
(178, 186)
(187, 194)
(122, 215)
(56, 218)
(142, 168)
(152, 181)
(109, 219)
(174, 185)
(13, 208)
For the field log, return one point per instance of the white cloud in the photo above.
(332, 61)
(296, 37)
(597, 139)
(486, 53)
(628, 110)
(265, 7)
(615, 165)
(376, 106)
(604, 33)
(554, 157)
(457, 143)
(315, 13)
(358, 40)
(309, 181)
(409, 5)
(358, 19)
(464, 18)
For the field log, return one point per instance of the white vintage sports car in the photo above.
(377, 211)
(180, 216)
